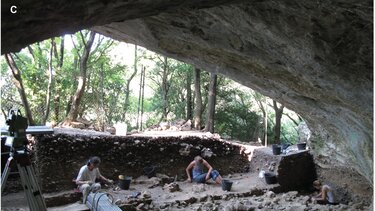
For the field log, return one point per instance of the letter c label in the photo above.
(13, 9)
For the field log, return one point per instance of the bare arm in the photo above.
(188, 170)
(209, 169)
(319, 195)
(81, 182)
(104, 179)
(323, 194)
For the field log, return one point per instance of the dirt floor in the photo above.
(248, 192)
(160, 195)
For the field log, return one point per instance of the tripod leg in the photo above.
(6, 172)
(24, 180)
(31, 187)
(37, 191)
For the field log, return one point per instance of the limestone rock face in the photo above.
(315, 57)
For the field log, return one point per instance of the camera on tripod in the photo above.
(16, 139)
(17, 129)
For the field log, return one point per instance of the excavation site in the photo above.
(153, 167)
(186, 105)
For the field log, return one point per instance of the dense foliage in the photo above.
(111, 83)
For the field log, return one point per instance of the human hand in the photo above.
(189, 179)
(314, 200)
(110, 181)
(89, 182)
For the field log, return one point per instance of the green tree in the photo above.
(262, 104)
(278, 116)
(83, 58)
(179, 97)
(236, 115)
(20, 87)
(210, 117)
(128, 81)
(36, 68)
(8, 97)
(161, 76)
(48, 70)
(198, 99)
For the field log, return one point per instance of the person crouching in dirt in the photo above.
(87, 176)
(326, 195)
(196, 166)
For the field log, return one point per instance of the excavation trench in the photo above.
(59, 156)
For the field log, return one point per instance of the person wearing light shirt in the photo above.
(87, 176)
(326, 194)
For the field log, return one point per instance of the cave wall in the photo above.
(60, 156)
(315, 57)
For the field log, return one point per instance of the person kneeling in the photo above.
(326, 194)
(87, 176)
(196, 166)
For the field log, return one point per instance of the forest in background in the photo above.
(78, 78)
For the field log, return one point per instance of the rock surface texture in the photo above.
(315, 57)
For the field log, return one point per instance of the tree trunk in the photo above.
(139, 100)
(189, 112)
(211, 104)
(257, 132)
(165, 89)
(73, 113)
(61, 61)
(143, 95)
(90, 85)
(277, 127)
(49, 86)
(4, 112)
(259, 98)
(296, 122)
(57, 108)
(31, 51)
(198, 99)
(127, 91)
(102, 105)
(265, 114)
(57, 91)
(113, 103)
(18, 83)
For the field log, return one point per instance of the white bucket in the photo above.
(121, 129)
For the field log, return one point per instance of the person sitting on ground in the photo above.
(87, 176)
(199, 176)
(326, 195)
